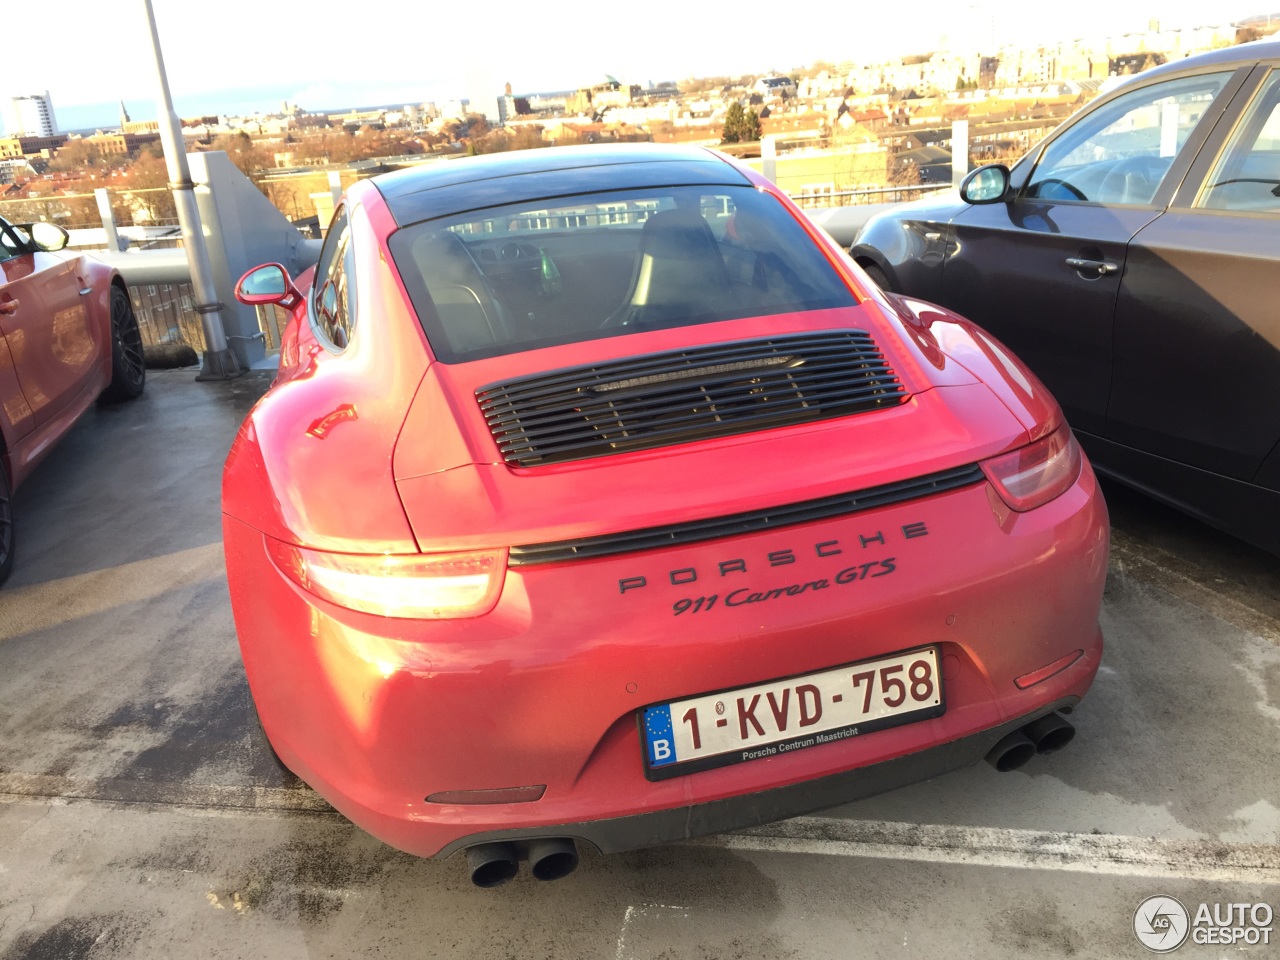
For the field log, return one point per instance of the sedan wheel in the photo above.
(128, 372)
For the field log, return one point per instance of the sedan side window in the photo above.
(1247, 175)
(1120, 153)
(10, 243)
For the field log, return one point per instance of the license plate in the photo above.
(780, 717)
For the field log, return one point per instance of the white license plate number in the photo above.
(780, 717)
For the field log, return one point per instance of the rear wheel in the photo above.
(128, 373)
(6, 524)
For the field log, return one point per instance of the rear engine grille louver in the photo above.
(687, 395)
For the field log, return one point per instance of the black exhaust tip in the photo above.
(1051, 732)
(492, 864)
(1011, 752)
(551, 858)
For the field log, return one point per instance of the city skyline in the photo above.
(448, 57)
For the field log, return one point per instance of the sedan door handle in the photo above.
(9, 306)
(1101, 267)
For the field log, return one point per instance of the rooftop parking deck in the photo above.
(142, 815)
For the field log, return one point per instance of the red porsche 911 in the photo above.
(600, 499)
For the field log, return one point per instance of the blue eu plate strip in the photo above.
(659, 736)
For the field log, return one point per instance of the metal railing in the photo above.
(850, 198)
(159, 284)
(271, 321)
(165, 314)
(142, 207)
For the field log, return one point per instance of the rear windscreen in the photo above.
(535, 274)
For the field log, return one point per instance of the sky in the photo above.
(234, 56)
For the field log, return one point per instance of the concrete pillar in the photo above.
(243, 229)
(769, 158)
(108, 218)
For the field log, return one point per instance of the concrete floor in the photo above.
(141, 814)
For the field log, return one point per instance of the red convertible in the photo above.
(68, 337)
(602, 500)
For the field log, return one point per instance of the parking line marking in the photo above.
(15, 787)
(1200, 859)
(1023, 849)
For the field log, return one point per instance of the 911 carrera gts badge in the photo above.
(842, 549)
(745, 595)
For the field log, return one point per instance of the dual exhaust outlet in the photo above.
(1045, 735)
(493, 864)
(550, 858)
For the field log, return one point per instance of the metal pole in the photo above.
(219, 362)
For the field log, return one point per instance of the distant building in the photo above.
(12, 147)
(780, 87)
(17, 167)
(510, 107)
(591, 100)
(116, 144)
(353, 120)
(30, 116)
(1131, 63)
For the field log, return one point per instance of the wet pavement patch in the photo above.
(208, 733)
(77, 938)
(311, 877)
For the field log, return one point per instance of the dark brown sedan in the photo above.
(1133, 261)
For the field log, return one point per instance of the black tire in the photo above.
(877, 276)
(6, 525)
(128, 369)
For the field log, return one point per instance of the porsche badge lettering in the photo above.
(683, 576)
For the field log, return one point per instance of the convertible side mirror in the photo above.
(268, 283)
(987, 184)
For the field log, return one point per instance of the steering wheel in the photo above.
(1133, 179)
(1045, 190)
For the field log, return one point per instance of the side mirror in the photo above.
(48, 237)
(988, 184)
(268, 283)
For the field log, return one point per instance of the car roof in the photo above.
(1239, 55)
(445, 187)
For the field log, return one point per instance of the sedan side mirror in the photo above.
(48, 237)
(268, 283)
(987, 184)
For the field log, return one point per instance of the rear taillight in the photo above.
(1033, 475)
(417, 587)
